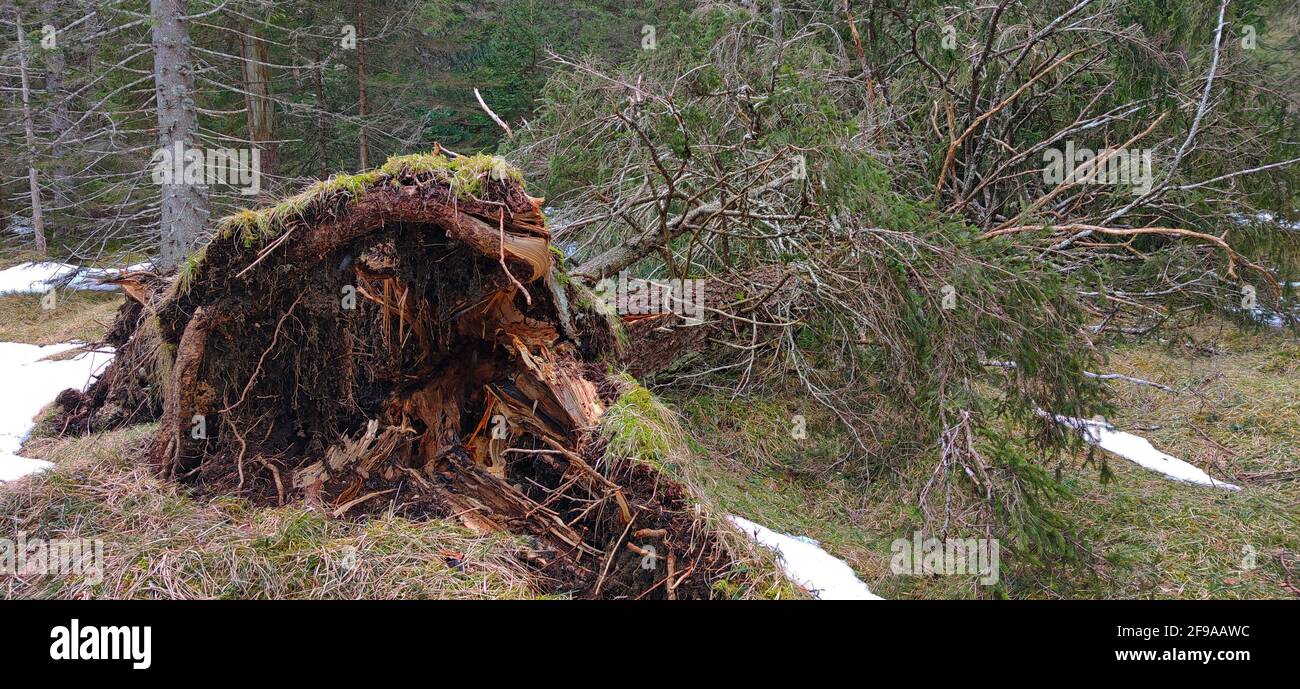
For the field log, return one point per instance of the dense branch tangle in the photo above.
(1070, 75)
(692, 165)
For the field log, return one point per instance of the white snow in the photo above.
(1140, 451)
(29, 384)
(1265, 217)
(802, 559)
(36, 277)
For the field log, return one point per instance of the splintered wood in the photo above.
(530, 392)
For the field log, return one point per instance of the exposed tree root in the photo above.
(404, 348)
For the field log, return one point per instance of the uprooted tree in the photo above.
(406, 337)
(870, 224)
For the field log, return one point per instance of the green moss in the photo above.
(640, 427)
(354, 186)
(189, 269)
(293, 207)
(465, 176)
(584, 299)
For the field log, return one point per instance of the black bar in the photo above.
(301, 639)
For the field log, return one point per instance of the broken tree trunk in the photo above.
(404, 339)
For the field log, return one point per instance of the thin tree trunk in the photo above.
(183, 206)
(38, 219)
(322, 123)
(60, 122)
(362, 137)
(260, 106)
(778, 34)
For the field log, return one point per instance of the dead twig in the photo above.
(500, 122)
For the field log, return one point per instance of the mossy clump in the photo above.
(640, 427)
(465, 176)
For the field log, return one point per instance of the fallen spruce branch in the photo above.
(1090, 374)
(1232, 256)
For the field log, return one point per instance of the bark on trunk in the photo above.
(60, 122)
(363, 108)
(183, 209)
(261, 107)
(38, 217)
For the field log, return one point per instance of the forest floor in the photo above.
(1236, 415)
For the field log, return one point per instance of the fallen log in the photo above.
(404, 339)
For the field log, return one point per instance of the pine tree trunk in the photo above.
(322, 123)
(362, 106)
(183, 208)
(60, 122)
(38, 219)
(261, 107)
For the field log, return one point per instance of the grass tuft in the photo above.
(639, 426)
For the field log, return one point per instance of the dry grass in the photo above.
(159, 542)
(15, 250)
(83, 316)
(1237, 416)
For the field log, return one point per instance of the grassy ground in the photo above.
(76, 315)
(1237, 416)
(161, 543)
(83, 316)
(13, 251)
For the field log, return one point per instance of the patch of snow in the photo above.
(1265, 217)
(31, 383)
(1140, 451)
(20, 226)
(802, 559)
(29, 278)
